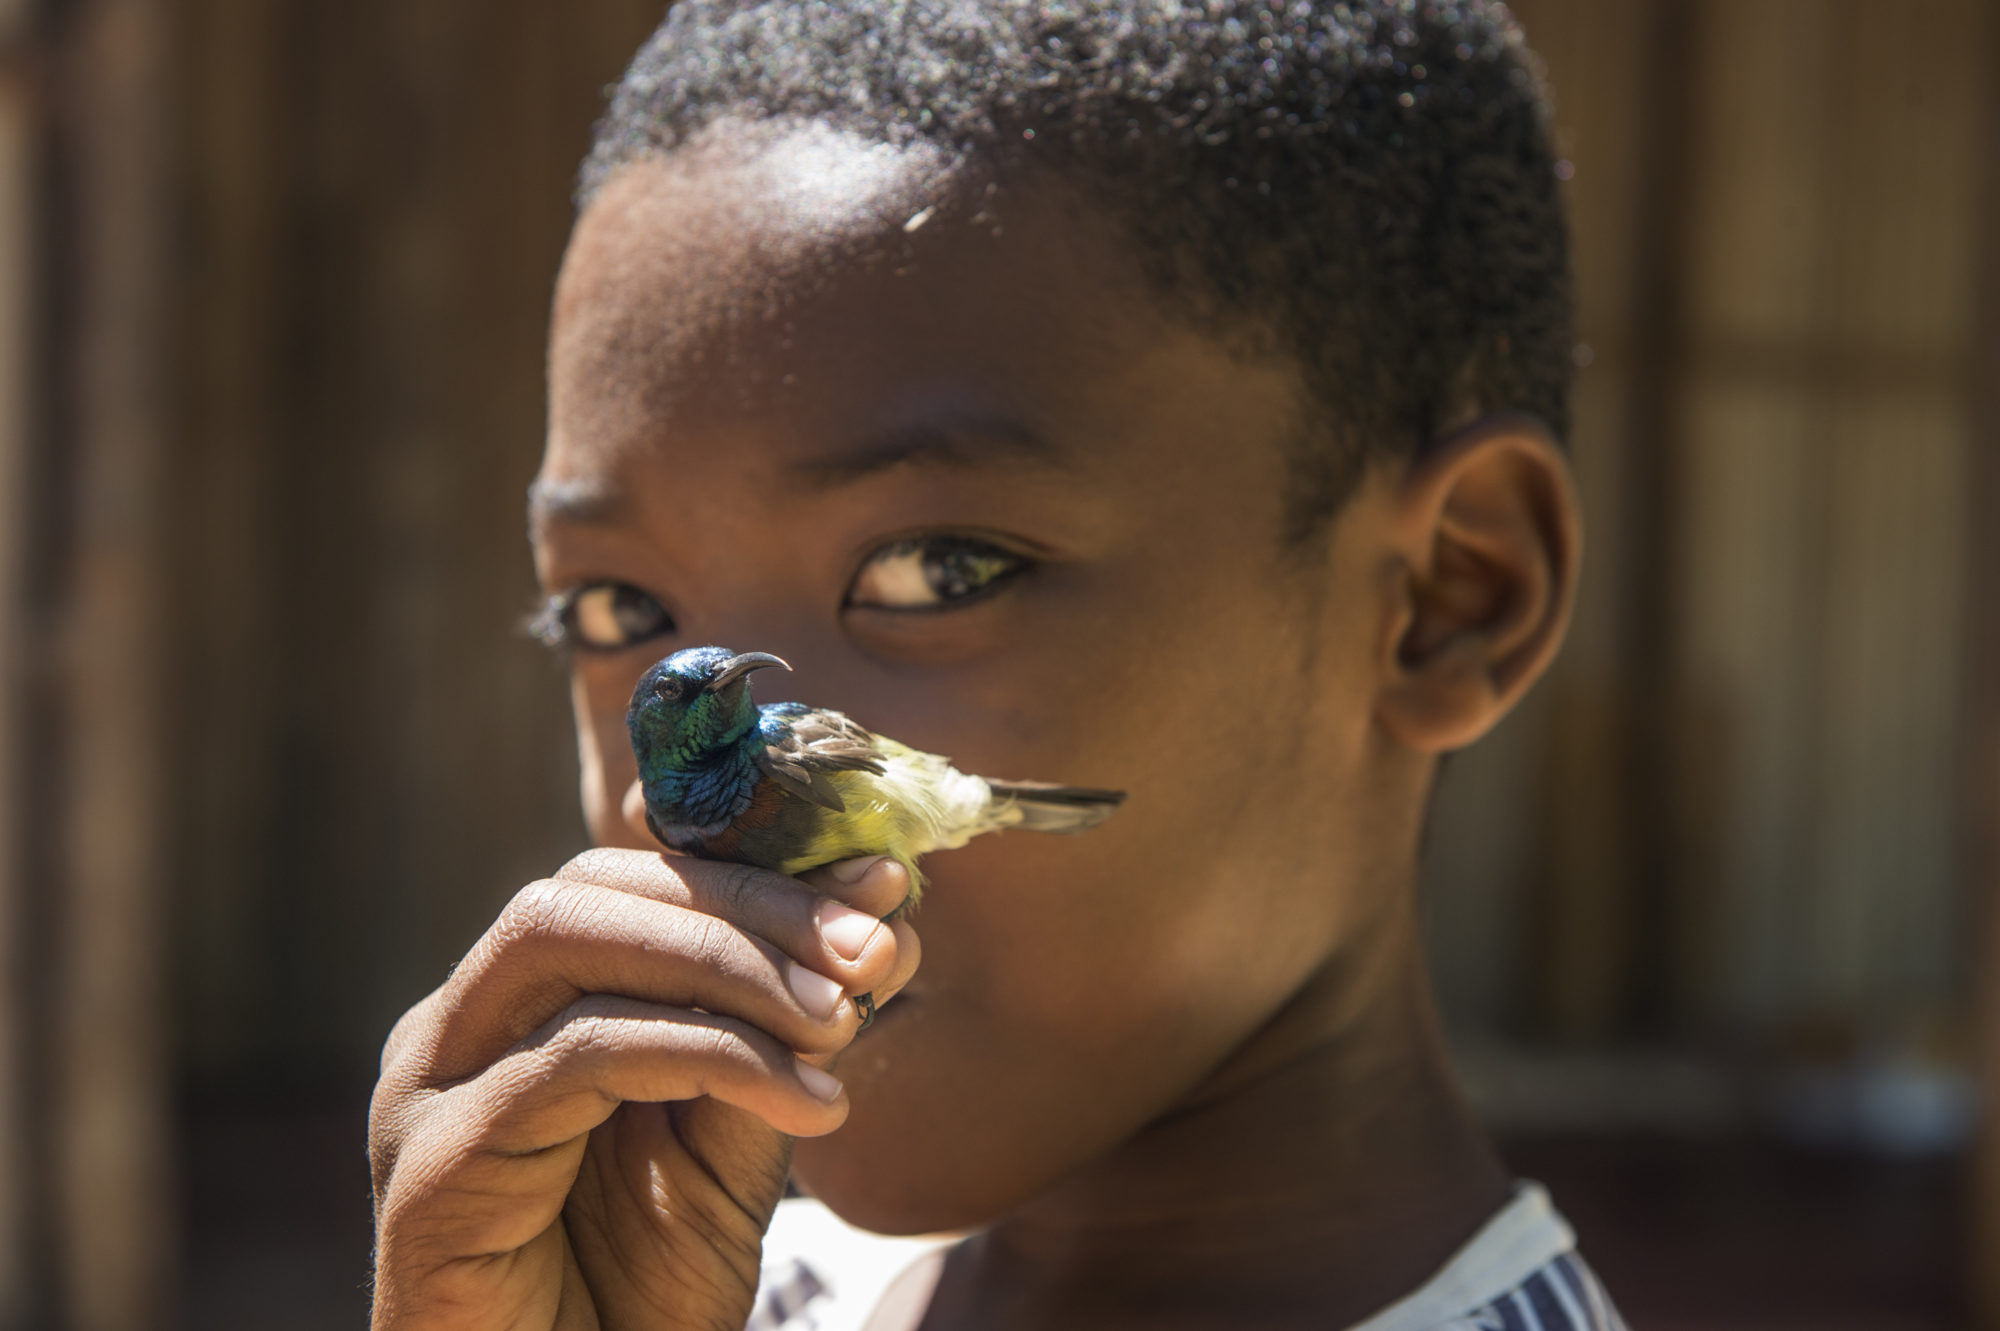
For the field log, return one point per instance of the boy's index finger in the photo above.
(795, 913)
(681, 880)
(759, 900)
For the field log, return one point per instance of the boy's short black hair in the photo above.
(1366, 187)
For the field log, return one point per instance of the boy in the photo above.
(1154, 394)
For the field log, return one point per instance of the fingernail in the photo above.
(853, 871)
(822, 1084)
(846, 930)
(816, 994)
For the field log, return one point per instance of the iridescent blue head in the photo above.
(693, 708)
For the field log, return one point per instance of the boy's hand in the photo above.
(590, 1123)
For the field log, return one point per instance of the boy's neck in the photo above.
(1326, 1170)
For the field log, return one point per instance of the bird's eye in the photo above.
(601, 617)
(932, 572)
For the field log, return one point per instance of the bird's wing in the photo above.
(808, 744)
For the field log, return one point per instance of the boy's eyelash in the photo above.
(548, 622)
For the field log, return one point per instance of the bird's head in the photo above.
(693, 705)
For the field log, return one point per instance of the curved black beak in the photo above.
(736, 667)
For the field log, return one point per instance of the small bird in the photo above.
(790, 787)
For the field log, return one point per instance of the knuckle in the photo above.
(717, 1046)
(394, 1204)
(593, 1030)
(736, 885)
(387, 1108)
(406, 1199)
(599, 864)
(639, 873)
(538, 911)
(412, 1039)
(384, 1145)
(579, 1033)
(395, 1048)
(711, 943)
(394, 1111)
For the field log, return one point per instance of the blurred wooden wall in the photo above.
(1982, 792)
(275, 750)
(83, 872)
(20, 132)
(273, 280)
(376, 196)
(1745, 816)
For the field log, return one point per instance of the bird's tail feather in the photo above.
(1047, 808)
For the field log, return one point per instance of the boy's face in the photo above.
(961, 472)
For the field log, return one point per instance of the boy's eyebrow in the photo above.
(971, 443)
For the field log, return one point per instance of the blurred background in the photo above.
(1712, 916)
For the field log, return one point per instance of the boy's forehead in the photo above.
(777, 300)
(746, 262)
(731, 220)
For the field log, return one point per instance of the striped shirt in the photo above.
(1521, 1272)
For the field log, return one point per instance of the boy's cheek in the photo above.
(1072, 990)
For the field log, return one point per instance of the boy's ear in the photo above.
(1489, 536)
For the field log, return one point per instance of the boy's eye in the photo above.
(929, 572)
(602, 617)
